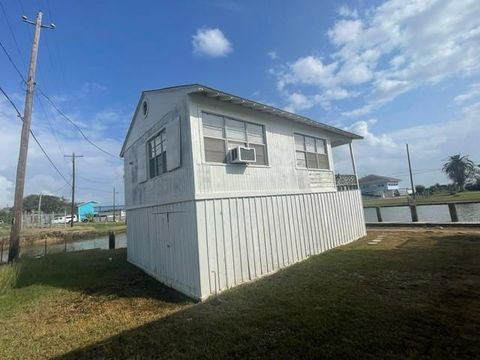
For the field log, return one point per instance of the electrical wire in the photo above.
(56, 107)
(75, 125)
(54, 131)
(12, 62)
(34, 137)
(13, 34)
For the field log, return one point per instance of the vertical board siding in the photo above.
(240, 239)
(162, 240)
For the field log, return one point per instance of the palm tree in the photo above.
(459, 168)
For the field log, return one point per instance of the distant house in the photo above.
(86, 208)
(382, 186)
(220, 190)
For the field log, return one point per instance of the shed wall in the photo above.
(280, 176)
(162, 241)
(172, 186)
(243, 238)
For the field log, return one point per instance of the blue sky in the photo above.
(393, 71)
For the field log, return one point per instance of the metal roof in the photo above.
(256, 106)
(250, 104)
(376, 178)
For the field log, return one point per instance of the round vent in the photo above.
(145, 108)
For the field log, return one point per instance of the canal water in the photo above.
(78, 245)
(426, 213)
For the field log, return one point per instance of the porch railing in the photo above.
(346, 182)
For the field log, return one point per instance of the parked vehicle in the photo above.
(64, 219)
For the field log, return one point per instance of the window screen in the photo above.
(310, 152)
(157, 155)
(221, 134)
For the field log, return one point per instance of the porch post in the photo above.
(354, 166)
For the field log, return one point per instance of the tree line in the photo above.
(461, 170)
(50, 204)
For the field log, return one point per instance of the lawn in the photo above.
(414, 295)
(467, 196)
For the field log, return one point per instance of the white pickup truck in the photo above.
(64, 219)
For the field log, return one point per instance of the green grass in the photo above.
(415, 295)
(432, 199)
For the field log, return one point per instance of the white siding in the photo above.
(173, 186)
(281, 174)
(162, 241)
(202, 228)
(243, 238)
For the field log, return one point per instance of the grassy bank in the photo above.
(432, 199)
(413, 295)
(58, 233)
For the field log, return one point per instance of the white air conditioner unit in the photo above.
(242, 155)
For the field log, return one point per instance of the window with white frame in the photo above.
(221, 134)
(310, 152)
(157, 155)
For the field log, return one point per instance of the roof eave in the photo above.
(256, 106)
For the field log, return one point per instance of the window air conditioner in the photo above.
(242, 155)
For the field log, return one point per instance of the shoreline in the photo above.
(59, 235)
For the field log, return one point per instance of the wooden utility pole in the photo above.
(73, 156)
(14, 248)
(410, 170)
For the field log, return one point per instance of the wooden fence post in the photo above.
(413, 212)
(453, 212)
(379, 214)
(111, 240)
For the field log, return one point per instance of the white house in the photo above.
(221, 190)
(375, 185)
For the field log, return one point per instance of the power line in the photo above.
(57, 108)
(12, 62)
(13, 34)
(34, 136)
(95, 181)
(74, 124)
(45, 115)
(92, 189)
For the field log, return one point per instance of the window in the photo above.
(311, 152)
(221, 134)
(157, 155)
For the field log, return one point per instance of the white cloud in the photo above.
(58, 139)
(310, 70)
(346, 31)
(392, 49)
(6, 192)
(211, 42)
(272, 55)
(430, 145)
(347, 12)
(298, 101)
(471, 94)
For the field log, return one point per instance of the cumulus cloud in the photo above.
(211, 42)
(59, 138)
(347, 12)
(391, 49)
(430, 145)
